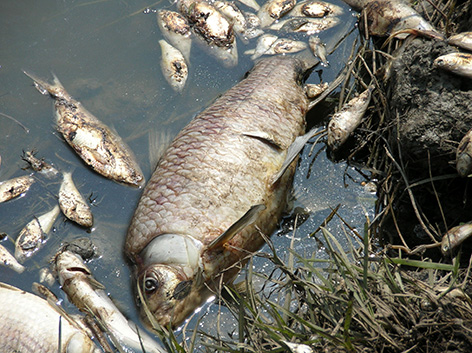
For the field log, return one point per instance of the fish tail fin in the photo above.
(56, 89)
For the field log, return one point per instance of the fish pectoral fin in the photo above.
(247, 219)
(294, 149)
(266, 138)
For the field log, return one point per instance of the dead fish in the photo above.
(457, 63)
(31, 324)
(314, 90)
(305, 25)
(73, 204)
(39, 165)
(88, 295)
(233, 14)
(46, 276)
(344, 122)
(12, 188)
(175, 28)
(214, 31)
(8, 260)
(273, 10)
(93, 141)
(253, 26)
(285, 46)
(395, 17)
(263, 44)
(212, 193)
(318, 49)
(33, 235)
(173, 65)
(462, 40)
(454, 237)
(317, 9)
(464, 155)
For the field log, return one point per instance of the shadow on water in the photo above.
(106, 54)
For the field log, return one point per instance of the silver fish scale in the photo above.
(213, 172)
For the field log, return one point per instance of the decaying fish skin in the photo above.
(344, 122)
(273, 10)
(212, 194)
(262, 46)
(93, 141)
(253, 26)
(388, 17)
(33, 235)
(464, 155)
(285, 46)
(233, 14)
(215, 31)
(314, 90)
(457, 63)
(8, 260)
(462, 40)
(88, 295)
(12, 188)
(30, 324)
(39, 165)
(454, 237)
(73, 204)
(305, 25)
(315, 9)
(318, 49)
(176, 30)
(173, 65)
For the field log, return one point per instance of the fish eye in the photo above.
(150, 284)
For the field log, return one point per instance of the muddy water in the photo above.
(107, 56)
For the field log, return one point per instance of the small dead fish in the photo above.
(39, 165)
(33, 235)
(176, 30)
(464, 155)
(253, 26)
(12, 188)
(8, 260)
(73, 204)
(46, 276)
(93, 141)
(316, 9)
(462, 40)
(263, 44)
(31, 324)
(318, 49)
(343, 123)
(233, 14)
(88, 295)
(454, 237)
(457, 63)
(395, 17)
(314, 90)
(285, 46)
(306, 25)
(173, 65)
(273, 10)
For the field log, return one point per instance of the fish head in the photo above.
(168, 296)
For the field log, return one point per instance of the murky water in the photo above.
(106, 54)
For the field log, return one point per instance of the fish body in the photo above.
(273, 10)
(318, 49)
(263, 44)
(39, 165)
(464, 155)
(217, 172)
(462, 40)
(233, 14)
(455, 236)
(94, 142)
(8, 260)
(316, 9)
(33, 235)
(344, 122)
(29, 324)
(457, 63)
(174, 66)
(12, 188)
(88, 295)
(176, 30)
(306, 25)
(73, 204)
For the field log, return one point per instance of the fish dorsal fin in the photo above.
(264, 137)
(247, 219)
(294, 150)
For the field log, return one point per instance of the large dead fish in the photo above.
(93, 141)
(214, 191)
(30, 324)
